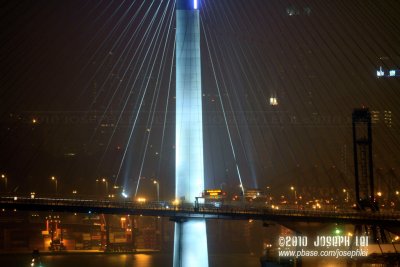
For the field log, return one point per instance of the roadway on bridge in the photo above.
(183, 211)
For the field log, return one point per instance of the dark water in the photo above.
(122, 260)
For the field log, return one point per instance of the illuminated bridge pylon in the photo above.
(190, 242)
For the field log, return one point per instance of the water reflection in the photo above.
(142, 260)
(137, 260)
(115, 260)
(125, 260)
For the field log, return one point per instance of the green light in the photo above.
(338, 231)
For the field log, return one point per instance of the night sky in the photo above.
(85, 86)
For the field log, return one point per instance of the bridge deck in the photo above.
(238, 211)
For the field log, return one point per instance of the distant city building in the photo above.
(388, 67)
(387, 73)
(379, 117)
(252, 193)
(375, 116)
(387, 117)
(298, 11)
(273, 101)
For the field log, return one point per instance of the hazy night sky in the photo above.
(81, 69)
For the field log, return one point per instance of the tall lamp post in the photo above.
(53, 178)
(295, 194)
(3, 176)
(347, 195)
(158, 235)
(104, 180)
(158, 189)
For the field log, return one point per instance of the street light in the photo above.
(104, 180)
(158, 189)
(347, 195)
(3, 176)
(295, 193)
(53, 178)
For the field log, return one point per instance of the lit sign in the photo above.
(213, 193)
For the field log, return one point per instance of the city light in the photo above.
(123, 223)
(158, 189)
(273, 101)
(387, 73)
(141, 200)
(3, 176)
(53, 178)
(347, 195)
(124, 194)
(380, 72)
(105, 181)
(337, 231)
(295, 193)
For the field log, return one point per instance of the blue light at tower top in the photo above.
(187, 4)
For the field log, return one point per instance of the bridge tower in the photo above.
(364, 172)
(363, 165)
(190, 243)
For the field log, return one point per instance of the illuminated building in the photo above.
(298, 11)
(374, 116)
(386, 116)
(387, 73)
(273, 101)
(388, 67)
(190, 243)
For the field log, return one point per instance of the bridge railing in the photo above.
(238, 209)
